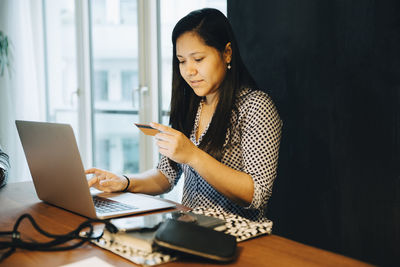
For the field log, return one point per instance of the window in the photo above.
(61, 62)
(128, 7)
(101, 85)
(103, 159)
(130, 147)
(128, 81)
(114, 46)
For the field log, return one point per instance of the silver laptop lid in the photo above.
(56, 166)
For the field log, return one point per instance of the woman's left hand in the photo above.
(174, 144)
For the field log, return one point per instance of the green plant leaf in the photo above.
(4, 53)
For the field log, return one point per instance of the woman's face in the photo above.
(202, 67)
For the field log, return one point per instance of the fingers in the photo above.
(92, 181)
(166, 138)
(94, 171)
(163, 128)
(104, 184)
(104, 180)
(95, 179)
(166, 133)
(90, 171)
(99, 178)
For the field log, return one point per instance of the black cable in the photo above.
(58, 239)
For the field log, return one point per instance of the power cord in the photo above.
(58, 240)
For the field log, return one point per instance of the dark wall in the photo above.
(333, 69)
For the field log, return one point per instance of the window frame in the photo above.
(148, 80)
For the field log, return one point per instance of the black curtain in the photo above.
(333, 70)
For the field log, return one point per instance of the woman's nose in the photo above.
(191, 70)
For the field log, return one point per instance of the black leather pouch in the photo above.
(196, 240)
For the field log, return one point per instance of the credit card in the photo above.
(147, 129)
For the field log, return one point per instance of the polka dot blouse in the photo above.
(253, 149)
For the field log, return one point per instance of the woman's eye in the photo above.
(181, 62)
(198, 59)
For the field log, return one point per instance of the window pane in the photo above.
(101, 82)
(117, 143)
(61, 62)
(115, 77)
(129, 79)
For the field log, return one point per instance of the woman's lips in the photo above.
(195, 82)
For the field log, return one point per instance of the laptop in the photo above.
(59, 177)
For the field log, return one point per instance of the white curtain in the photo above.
(22, 96)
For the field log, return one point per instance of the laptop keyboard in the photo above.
(105, 205)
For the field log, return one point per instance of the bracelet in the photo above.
(127, 186)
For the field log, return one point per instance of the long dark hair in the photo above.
(215, 30)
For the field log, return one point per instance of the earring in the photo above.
(229, 66)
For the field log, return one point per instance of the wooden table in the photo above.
(19, 198)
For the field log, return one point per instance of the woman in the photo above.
(224, 134)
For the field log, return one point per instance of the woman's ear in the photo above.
(228, 53)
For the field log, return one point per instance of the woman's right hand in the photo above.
(106, 181)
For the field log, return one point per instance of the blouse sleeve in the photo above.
(173, 175)
(260, 147)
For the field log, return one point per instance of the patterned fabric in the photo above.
(130, 252)
(253, 149)
(241, 228)
(4, 166)
(4, 163)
